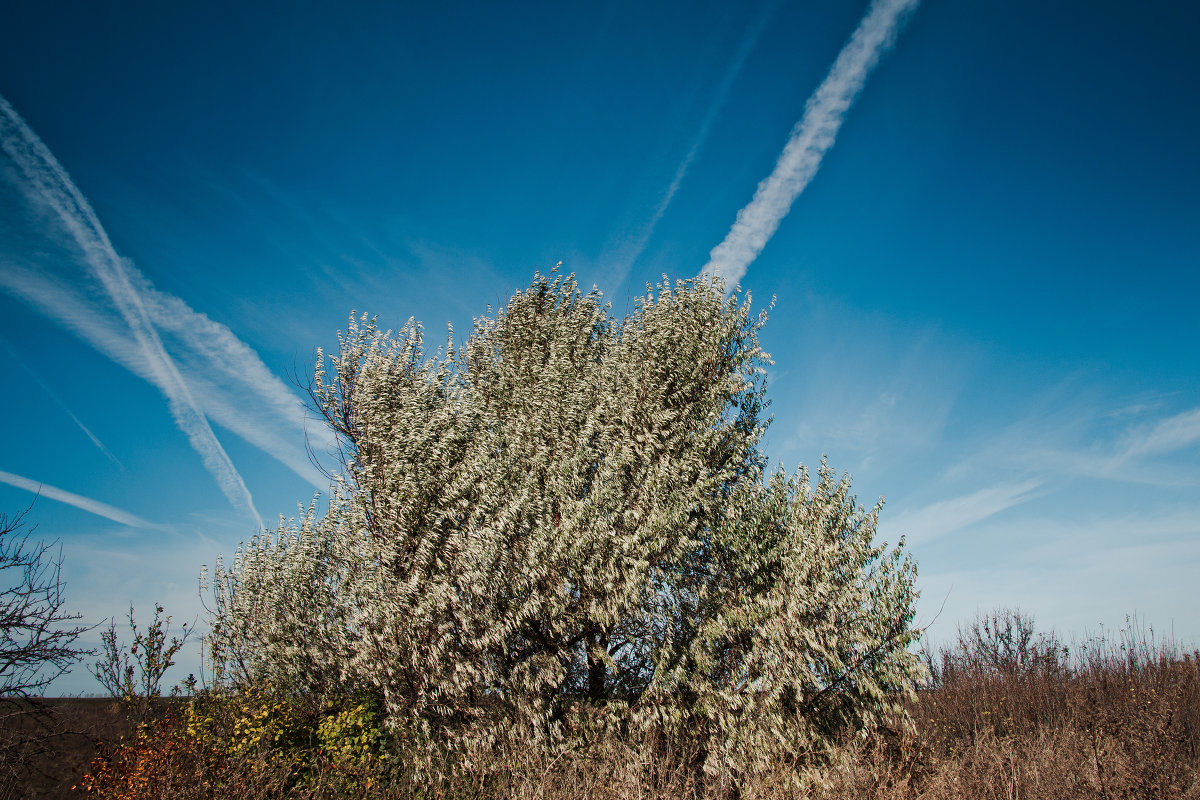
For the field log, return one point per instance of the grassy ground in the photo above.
(1108, 728)
(1026, 719)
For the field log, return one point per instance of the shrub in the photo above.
(571, 513)
(154, 763)
(136, 670)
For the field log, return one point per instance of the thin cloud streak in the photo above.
(78, 501)
(238, 403)
(634, 250)
(811, 139)
(59, 402)
(49, 184)
(212, 349)
(1173, 433)
(1160, 452)
(950, 516)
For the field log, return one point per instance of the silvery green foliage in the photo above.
(573, 507)
(807, 622)
(279, 615)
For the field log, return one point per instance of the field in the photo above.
(71, 732)
(1005, 715)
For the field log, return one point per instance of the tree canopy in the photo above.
(573, 510)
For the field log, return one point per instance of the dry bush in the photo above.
(1108, 726)
(38, 642)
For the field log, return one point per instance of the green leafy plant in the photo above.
(353, 736)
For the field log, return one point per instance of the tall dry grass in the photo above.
(1107, 718)
(1023, 717)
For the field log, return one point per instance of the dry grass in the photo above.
(1109, 720)
(1113, 720)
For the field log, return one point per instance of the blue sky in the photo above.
(984, 262)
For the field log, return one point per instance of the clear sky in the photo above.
(986, 295)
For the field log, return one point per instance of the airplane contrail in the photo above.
(79, 501)
(227, 379)
(633, 249)
(49, 184)
(810, 140)
(58, 401)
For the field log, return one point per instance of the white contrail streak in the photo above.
(632, 251)
(221, 353)
(49, 183)
(810, 140)
(59, 402)
(248, 399)
(79, 501)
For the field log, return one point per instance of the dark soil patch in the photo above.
(61, 739)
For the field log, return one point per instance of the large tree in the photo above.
(573, 507)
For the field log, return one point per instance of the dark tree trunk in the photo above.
(597, 669)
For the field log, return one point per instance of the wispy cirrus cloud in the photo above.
(810, 140)
(1160, 450)
(1165, 436)
(78, 501)
(1138, 444)
(1054, 457)
(945, 517)
(199, 365)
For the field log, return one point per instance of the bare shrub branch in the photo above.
(37, 642)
